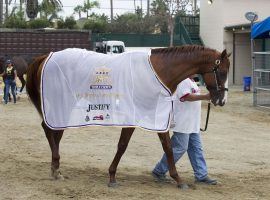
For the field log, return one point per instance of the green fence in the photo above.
(136, 40)
(186, 32)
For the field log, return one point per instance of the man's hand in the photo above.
(207, 96)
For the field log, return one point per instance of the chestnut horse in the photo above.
(20, 65)
(172, 65)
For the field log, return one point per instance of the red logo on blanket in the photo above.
(99, 117)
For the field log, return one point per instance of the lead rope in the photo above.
(207, 117)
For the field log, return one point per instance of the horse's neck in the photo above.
(173, 71)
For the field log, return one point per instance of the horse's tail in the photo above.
(33, 82)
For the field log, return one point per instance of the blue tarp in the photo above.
(261, 29)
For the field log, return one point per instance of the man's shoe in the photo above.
(160, 178)
(207, 181)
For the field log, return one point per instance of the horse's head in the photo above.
(215, 77)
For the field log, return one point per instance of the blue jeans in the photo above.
(181, 143)
(10, 83)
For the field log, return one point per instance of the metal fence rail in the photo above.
(261, 79)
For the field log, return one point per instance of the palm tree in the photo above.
(56, 3)
(50, 8)
(79, 9)
(47, 7)
(89, 5)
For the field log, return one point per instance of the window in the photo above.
(117, 49)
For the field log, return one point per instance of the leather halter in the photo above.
(218, 86)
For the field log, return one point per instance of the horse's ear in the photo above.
(223, 54)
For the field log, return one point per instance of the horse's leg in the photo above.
(167, 147)
(54, 137)
(22, 81)
(126, 134)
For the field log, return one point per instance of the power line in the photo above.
(70, 6)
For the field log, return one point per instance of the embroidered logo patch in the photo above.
(102, 79)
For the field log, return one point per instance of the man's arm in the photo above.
(194, 97)
(15, 75)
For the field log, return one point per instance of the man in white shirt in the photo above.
(186, 132)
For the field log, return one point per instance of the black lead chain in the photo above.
(207, 118)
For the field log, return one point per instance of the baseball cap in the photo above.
(8, 62)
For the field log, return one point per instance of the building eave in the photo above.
(240, 28)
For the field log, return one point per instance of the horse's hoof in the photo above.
(113, 184)
(56, 175)
(60, 177)
(183, 186)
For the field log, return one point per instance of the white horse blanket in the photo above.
(84, 88)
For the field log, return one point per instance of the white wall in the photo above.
(211, 24)
(222, 13)
(214, 17)
(234, 10)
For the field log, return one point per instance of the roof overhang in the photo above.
(238, 28)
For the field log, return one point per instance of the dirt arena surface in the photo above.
(237, 151)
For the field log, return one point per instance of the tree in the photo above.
(49, 9)
(169, 9)
(159, 13)
(132, 23)
(56, 2)
(16, 21)
(69, 23)
(97, 23)
(87, 6)
(79, 9)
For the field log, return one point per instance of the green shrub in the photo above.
(96, 26)
(39, 23)
(15, 22)
(68, 23)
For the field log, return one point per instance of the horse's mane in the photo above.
(182, 49)
(187, 51)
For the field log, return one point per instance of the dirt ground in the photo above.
(236, 148)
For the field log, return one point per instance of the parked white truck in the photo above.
(116, 47)
(110, 47)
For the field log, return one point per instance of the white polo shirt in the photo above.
(187, 114)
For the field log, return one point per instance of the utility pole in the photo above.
(1, 12)
(148, 7)
(6, 14)
(111, 10)
(177, 3)
(21, 2)
(195, 7)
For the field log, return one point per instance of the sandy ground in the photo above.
(236, 149)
